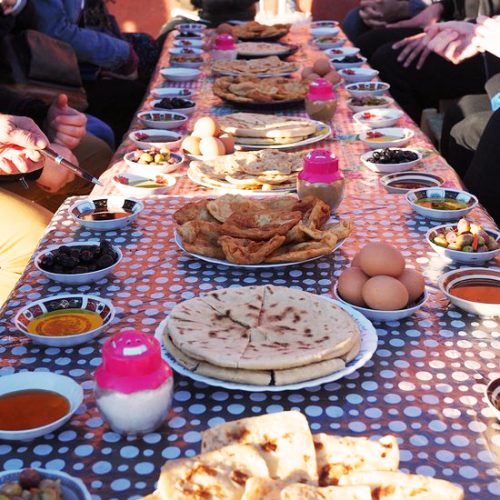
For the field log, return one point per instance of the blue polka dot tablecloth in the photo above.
(424, 384)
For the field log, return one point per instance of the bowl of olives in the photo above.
(78, 263)
(153, 161)
(174, 105)
(390, 160)
(464, 242)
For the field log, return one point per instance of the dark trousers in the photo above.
(372, 40)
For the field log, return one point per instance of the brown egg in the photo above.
(191, 144)
(333, 77)
(350, 284)
(306, 72)
(224, 28)
(211, 146)
(381, 258)
(206, 127)
(311, 77)
(228, 141)
(414, 283)
(322, 66)
(385, 293)
(355, 261)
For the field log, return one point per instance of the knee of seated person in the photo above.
(93, 155)
(467, 133)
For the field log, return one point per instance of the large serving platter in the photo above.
(273, 265)
(323, 131)
(368, 346)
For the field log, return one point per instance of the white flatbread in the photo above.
(308, 372)
(299, 491)
(260, 488)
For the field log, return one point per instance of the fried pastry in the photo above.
(193, 211)
(243, 251)
(201, 237)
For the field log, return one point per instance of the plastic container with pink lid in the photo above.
(224, 48)
(133, 385)
(321, 101)
(322, 178)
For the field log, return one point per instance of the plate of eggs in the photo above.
(379, 285)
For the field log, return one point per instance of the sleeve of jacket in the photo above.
(12, 103)
(89, 45)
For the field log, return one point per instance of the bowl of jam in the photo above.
(106, 213)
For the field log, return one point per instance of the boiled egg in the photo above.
(414, 283)
(350, 284)
(322, 66)
(206, 127)
(306, 72)
(191, 144)
(211, 146)
(385, 293)
(228, 141)
(333, 77)
(355, 261)
(381, 258)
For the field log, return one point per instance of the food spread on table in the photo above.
(264, 66)
(277, 457)
(246, 231)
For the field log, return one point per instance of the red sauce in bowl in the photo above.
(485, 294)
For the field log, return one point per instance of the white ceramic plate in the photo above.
(164, 120)
(378, 117)
(402, 137)
(179, 74)
(72, 488)
(341, 51)
(46, 381)
(108, 203)
(77, 279)
(376, 315)
(161, 92)
(389, 168)
(389, 101)
(172, 139)
(142, 192)
(63, 302)
(368, 347)
(459, 256)
(194, 175)
(153, 169)
(221, 262)
(354, 75)
(322, 132)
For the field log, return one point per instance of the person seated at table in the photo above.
(23, 222)
(376, 14)
(64, 126)
(109, 64)
(420, 78)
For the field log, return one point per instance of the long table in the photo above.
(424, 384)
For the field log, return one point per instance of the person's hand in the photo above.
(7, 6)
(424, 18)
(487, 35)
(414, 48)
(55, 176)
(452, 40)
(371, 13)
(65, 125)
(20, 140)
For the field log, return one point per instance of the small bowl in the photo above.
(196, 27)
(45, 381)
(178, 74)
(385, 168)
(183, 111)
(332, 44)
(341, 52)
(324, 23)
(153, 169)
(161, 92)
(492, 393)
(71, 487)
(354, 75)
(106, 204)
(165, 120)
(331, 30)
(188, 42)
(82, 278)
(376, 315)
(186, 51)
(170, 140)
(458, 255)
(123, 180)
(378, 117)
(63, 302)
(431, 213)
(345, 65)
(367, 89)
(355, 108)
(402, 137)
(472, 276)
(415, 180)
(186, 64)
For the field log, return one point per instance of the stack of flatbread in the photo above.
(275, 457)
(256, 31)
(267, 130)
(266, 66)
(261, 49)
(261, 335)
(266, 170)
(249, 231)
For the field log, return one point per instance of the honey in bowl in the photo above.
(66, 322)
(441, 203)
(30, 409)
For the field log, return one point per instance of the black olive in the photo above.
(29, 478)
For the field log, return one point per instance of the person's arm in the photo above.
(12, 103)
(89, 45)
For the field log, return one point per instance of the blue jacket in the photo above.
(59, 19)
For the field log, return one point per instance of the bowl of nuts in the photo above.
(78, 263)
(153, 161)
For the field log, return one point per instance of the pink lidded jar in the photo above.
(134, 385)
(322, 178)
(224, 48)
(321, 101)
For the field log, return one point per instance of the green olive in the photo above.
(441, 241)
(146, 158)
